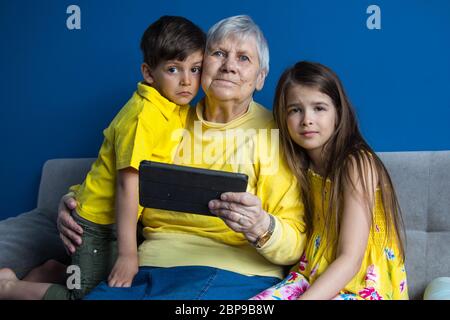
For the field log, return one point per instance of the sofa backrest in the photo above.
(422, 181)
(57, 176)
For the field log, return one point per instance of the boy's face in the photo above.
(178, 81)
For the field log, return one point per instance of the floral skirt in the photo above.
(292, 287)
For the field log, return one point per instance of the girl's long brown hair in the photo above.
(346, 150)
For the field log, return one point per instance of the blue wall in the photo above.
(60, 87)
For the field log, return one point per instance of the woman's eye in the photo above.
(293, 110)
(219, 53)
(319, 108)
(244, 58)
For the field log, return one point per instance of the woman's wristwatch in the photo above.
(262, 239)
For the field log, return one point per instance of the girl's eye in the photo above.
(196, 70)
(293, 110)
(172, 69)
(319, 108)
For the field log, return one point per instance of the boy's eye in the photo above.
(172, 69)
(196, 70)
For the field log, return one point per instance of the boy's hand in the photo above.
(124, 270)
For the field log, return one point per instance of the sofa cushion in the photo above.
(21, 252)
(57, 176)
(422, 183)
(439, 193)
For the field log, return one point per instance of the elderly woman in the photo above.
(187, 256)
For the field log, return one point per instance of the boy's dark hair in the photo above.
(171, 37)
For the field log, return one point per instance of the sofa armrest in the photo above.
(57, 176)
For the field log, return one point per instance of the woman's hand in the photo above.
(69, 231)
(242, 212)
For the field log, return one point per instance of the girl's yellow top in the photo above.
(382, 274)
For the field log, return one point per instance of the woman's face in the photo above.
(231, 70)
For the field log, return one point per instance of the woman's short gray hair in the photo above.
(241, 26)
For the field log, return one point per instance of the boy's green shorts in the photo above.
(91, 263)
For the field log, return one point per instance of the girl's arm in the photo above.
(126, 265)
(354, 232)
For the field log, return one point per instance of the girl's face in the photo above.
(311, 118)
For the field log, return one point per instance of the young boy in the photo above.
(108, 198)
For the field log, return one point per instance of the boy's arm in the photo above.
(126, 265)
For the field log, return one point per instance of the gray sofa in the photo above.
(422, 181)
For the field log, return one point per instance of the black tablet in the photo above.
(185, 189)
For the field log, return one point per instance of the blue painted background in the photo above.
(59, 88)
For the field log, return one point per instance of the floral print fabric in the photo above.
(382, 275)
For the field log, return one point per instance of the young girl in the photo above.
(354, 249)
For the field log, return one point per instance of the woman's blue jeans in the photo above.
(185, 283)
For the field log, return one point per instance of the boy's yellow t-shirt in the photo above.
(142, 130)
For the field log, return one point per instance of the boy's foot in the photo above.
(7, 281)
(7, 274)
(51, 271)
